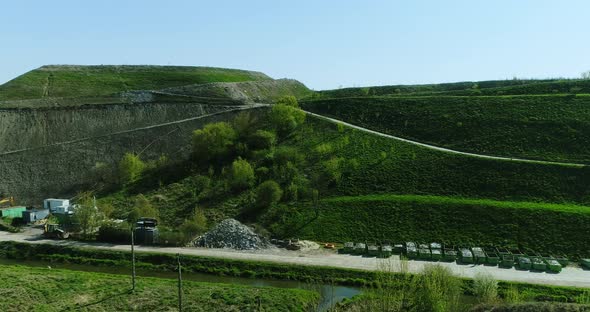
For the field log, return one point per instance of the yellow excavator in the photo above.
(7, 202)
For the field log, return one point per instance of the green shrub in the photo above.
(485, 288)
(262, 139)
(437, 290)
(285, 119)
(214, 142)
(193, 226)
(130, 168)
(288, 100)
(242, 175)
(268, 194)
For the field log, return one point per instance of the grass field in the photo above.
(252, 269)
(39, 289)
(553, 127)
(455, 221)
(96, 81)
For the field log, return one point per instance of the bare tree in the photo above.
(586, 75)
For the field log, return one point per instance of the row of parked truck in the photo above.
(493, 256)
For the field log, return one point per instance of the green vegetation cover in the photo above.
(554, 128)
(46, 289)
(72, 80)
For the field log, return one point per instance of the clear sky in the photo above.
(323, 43)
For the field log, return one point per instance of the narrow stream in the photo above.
(329, 294)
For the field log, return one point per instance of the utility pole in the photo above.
(133, 258)
(179, 283)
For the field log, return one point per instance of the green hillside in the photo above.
(544, 127)
(490, 87)
(548, 228)
(339, 161)
(71, 80)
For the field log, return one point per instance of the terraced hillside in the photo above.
(80, 81)
(544, 127)
(417, 193)
(490, 87)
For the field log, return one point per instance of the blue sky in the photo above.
(325, 44)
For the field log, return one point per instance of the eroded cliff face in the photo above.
(28, 128)
(51, 152)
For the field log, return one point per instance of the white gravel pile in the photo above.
(230, 233)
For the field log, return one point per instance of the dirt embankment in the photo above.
(52, 152)
(27, 128)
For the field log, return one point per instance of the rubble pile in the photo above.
(230, 233)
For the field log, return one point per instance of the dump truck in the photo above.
(52, 230)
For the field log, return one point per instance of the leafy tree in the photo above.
(262, 139)
(268, 194)
(214, 142)
(130, 168)
(86, 214)
(285, 119)
(195, 225)
(288, 100)
(244, 124)
(242, 175)
(142, 209)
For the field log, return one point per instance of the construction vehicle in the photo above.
(52, 230)
(7, 202)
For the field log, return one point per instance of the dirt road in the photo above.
(570, 276)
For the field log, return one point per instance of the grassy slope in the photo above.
(376, 165)
(95, 81)
(491, 87)
(398, 218)
(540, 127)
(381, 165)
(39, 289)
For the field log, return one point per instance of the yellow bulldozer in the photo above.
(6, 202)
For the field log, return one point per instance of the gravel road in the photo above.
(570, 276)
